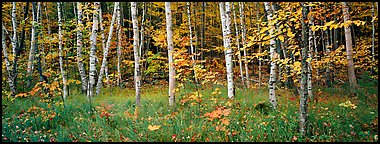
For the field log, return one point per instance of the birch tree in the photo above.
(81, 69)
(169, 38)
(32, 44)
(304, 71)
(105, 51)
(272, 77)
(7, 63)
(14, 43)
(309, 58)
(103, 38)
(60, 52)
(226, 22)
(258, 29)
(92, 72)
(351, 67)
(238, 46)
(118, 29)
(136, 51)
(243, 40)
(373, 35)
(191, 39)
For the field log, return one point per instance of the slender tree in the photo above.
(105, 51)
(191, 39)
(238, 46)
(304, 71)
(272, 77)
(349, 49)
(92, 72)
(243, 40)
(226, 22)
(81, 68)
(258, 29)
(7, 64)
(32, 44)
(373, 35)
(136, 51)
(169, 36)
(60, 52)
(103, 39)
(118, 30)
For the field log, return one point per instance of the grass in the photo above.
(211, 117)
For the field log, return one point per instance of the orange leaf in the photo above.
(154, 127)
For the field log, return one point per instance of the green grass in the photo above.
(187, 122)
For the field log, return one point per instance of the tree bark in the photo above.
(169, 33)
(14, 41)
(32, 44)
(7, 64)
(258, 29)
(38, 53)
(118, 30)
(349, 49)
(81, 69)
(105, 51)
(92, 72)
(226, 22)
(304, 73)
(373, 36)
(272, 77)
(244, 32)
(136, 51)
(309, 58)
(61, 53)
(103, 38)
(238, 47)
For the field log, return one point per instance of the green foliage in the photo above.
(217, 118)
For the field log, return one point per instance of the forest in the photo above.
(189, 72)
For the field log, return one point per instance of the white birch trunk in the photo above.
(7, 64)
(238, 46)
(118, 29)
(349, 49)
(81, 69)
(136, 51)
(105, 51)
(92, 72)
(103, 38)
(304, 71)
(142, 31)
(60, 52)
(32, 47)
(169, 34)
(226, 22)
(373, 35)
(310, 58)
(272, 78)
(191, 40)
(244, 32)
(258, 29)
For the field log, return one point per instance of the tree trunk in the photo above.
(7, 64)
(226, 22)
(82, 72)
(238, 47)
(373, 36)
(14, 41)
(304, 91)
(32, 44)
(142, 31)
(103, 38)
(258, 29)
(191, 40)
(272, 77)
(309, 58)
(136, 51)
(118, 30)
(243, 32)
(170, 54)
(349, 49)
(92, 72)
(38, 53)
(61, 53)
(105, 51)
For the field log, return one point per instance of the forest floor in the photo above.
(335, 114)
